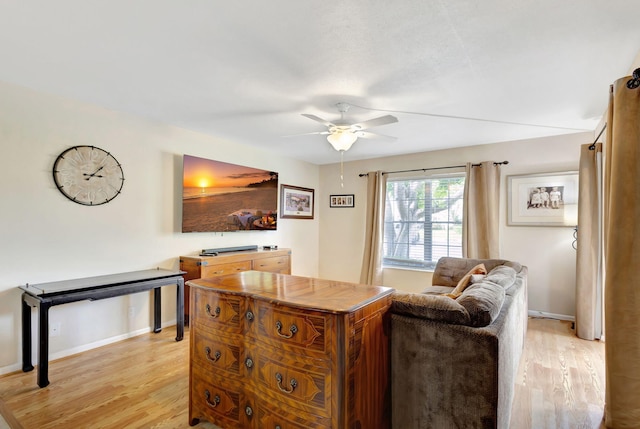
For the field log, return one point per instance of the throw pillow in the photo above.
(466, 281)
(477, 278)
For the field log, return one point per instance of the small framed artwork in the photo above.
(545, 199)
(347, 200)
(296, 202)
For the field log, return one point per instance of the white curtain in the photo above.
(372, 259)
(480, 237)
(589, 264)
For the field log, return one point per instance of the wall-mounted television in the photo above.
(219, 197)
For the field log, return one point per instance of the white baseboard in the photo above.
(96, 344)
(83, 348)
(545, 315)
(10, 368)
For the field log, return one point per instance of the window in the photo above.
(423, 221)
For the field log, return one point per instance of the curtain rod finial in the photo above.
(635, 81)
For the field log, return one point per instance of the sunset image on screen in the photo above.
(219, 196)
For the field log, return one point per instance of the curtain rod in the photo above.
(593, 146)
(632, 83)
(432, 168)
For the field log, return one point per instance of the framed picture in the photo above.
(296, 202)
(545, 199)
(347, 200)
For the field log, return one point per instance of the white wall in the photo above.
(45, 237)
(547, 251)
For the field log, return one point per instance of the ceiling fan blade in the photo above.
(370, 135)
(308, 134)
(376, 122)
(318, 119)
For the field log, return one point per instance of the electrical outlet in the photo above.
(132, 311)
(54, 329)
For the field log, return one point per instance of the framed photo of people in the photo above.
(347, 200)
(544, 199)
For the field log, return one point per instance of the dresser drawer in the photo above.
(268, 416)
(218, 355)
(224, 269)
(276, 264)
(218, 311)
(227, 406)
(291, 383)
(305, 332)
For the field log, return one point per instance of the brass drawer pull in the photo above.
(293, 329)
(216, 399)
(217, 311)
(293, 383)
(215, 357)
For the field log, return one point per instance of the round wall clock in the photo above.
(88, 175)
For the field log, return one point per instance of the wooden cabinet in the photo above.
(276, 261)
(279, 351)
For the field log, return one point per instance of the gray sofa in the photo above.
(454, 361)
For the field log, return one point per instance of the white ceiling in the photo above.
(247, 70)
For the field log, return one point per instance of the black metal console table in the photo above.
(45, 295)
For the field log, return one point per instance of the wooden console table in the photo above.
(278, 351)
(45, 295)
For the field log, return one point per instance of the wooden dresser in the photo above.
(275, 261)
(278, 351)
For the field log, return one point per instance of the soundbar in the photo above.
(216, 251)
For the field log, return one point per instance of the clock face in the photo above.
(88, 175)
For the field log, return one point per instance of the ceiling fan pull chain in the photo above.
(341, 169)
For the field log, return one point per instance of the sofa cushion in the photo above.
(483, 302)
(433, 307)
(502, 275)
(436, 290)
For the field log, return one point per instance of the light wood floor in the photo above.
(143, 383)
(561, 379)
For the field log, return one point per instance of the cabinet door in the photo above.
(275, 264)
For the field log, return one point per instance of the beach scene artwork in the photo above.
(219, 197)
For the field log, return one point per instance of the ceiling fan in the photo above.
(343, 135)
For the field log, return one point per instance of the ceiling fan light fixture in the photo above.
(342, 140)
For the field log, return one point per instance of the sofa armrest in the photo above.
(426, 306)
